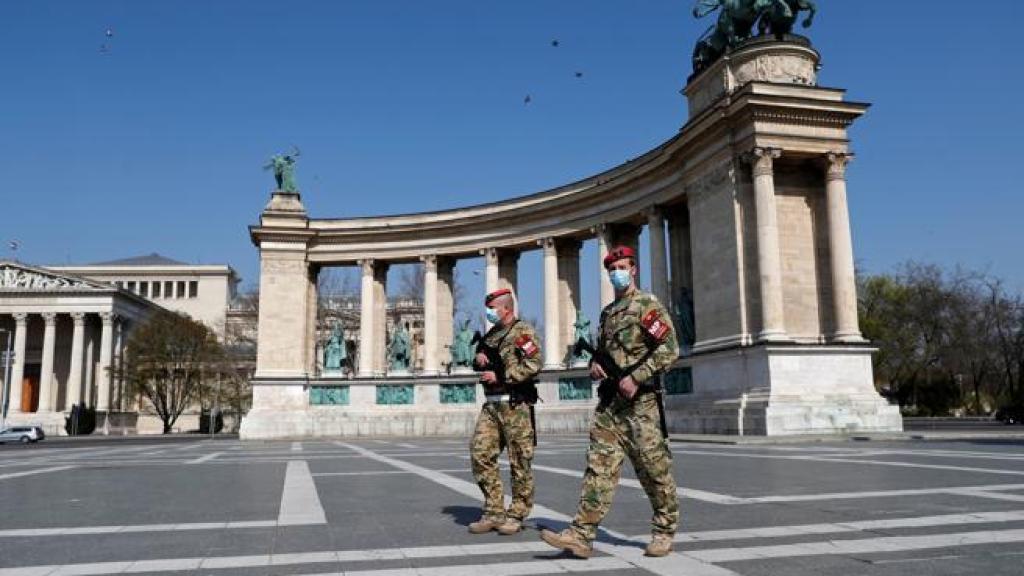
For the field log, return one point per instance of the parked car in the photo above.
(1011, 414)
(23, 434)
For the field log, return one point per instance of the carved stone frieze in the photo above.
(13, 278)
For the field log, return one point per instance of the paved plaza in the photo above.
(400, 507)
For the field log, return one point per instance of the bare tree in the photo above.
(168, 360)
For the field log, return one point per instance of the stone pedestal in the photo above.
(783, 390)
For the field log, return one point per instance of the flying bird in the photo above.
(527, 100)
(579, 74)
(555, 43)
(110, 33)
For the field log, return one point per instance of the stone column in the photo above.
(46, 380)
(680, 251)
(366, 323)
(90, 368)
(552, 346)
(116, 397)
(76, 388)
(445, 310)
(105, 375)
(491, 273)
(312, 310)
(568, 294)
(508, 274)
(773, 327)
(430, 343)
(18, 366)
(380, 326)
(844, 279)
(659, 262)
(603, 245)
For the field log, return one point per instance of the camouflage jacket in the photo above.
(519, 348)
(628, 324)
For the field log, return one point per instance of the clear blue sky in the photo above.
(156, 144)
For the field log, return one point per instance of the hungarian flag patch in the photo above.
(527, 346)
(655, 326)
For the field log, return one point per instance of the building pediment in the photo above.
(17, 277)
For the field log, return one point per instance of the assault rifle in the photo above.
(494, 361)
(614, 373)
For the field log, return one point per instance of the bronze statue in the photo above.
(736, 20)
(283, 166)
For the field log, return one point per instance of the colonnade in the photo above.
(668, 264)
(90, 380)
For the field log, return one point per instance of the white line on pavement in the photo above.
(88, 530)
(31, 472)
(673, 565)
(205, 458)
(847, 527)
(300, 503)
(683, 492)
(962, 490)
(296, 446)
(862, 546)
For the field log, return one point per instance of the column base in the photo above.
(787, 390)
(773, 336)
(848, 338)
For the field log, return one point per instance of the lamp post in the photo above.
(7, 379)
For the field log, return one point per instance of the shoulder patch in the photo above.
(526, 345)
(655, 325)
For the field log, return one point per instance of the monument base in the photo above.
(783, 390)
(52, 423)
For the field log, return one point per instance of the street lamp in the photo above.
(7, 379)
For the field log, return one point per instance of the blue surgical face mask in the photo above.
(492, 315)
(621, 279)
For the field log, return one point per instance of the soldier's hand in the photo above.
(489, 377)
(627, 387)
(596, 372)
(481, 360)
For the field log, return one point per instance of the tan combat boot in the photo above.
(568, 540)
(484, 525)
(661, 545)
(510, 526)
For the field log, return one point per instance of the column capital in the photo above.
(429, 260)
(107, 318)
(78, 318)
(20, 318)
(653, 213)
(762, 159)
(490, 253)
(366, 264)
(50, 318)
(547, 243)
(837, 163)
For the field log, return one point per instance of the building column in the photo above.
(430, 347)
(568, 295)
(380, 326)
(116, 401)
(366, 323)
(105, 377)
(844, 279)
(445, 310)
(312, 316)
(659, 261)
(603, 246)
(46, 380)
(680, 252)
(508, 274)
(18, 367)
(76, 388)
(773, 327)
(490, 273)
(552, 346)
(90, 369)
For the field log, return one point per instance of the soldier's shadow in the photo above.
(462, 515)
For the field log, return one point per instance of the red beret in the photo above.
(496, 294)
(618, 253)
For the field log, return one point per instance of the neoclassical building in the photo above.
(745, 208)
(68, 325)
(65, 333)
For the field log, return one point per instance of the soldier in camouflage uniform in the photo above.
(636, 331)
(506, 418)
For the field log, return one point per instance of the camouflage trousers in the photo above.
(633, 429)
(499, 423)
